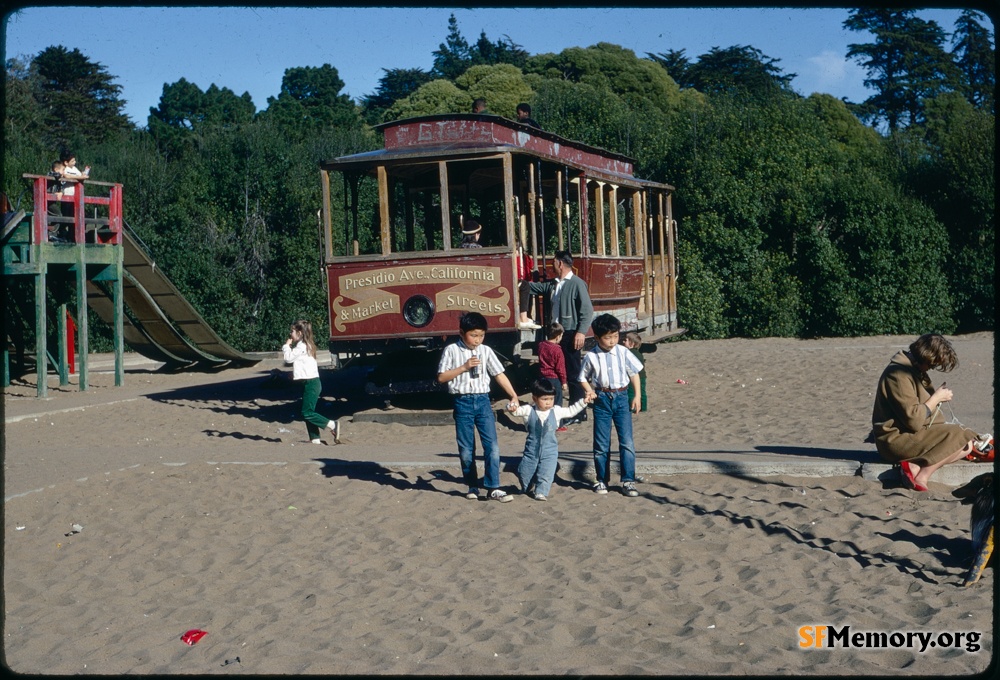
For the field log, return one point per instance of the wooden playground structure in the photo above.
(91, 259)
(91, 253)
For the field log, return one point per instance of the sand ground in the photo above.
(200, 504)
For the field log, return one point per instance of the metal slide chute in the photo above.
(159, 322)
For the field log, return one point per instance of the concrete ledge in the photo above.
(404, 417)
(794, 468)
(955, 474)
(952, 475)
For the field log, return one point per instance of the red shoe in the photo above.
(561, 429)
(909, 477)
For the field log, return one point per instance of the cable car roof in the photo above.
(457, 135)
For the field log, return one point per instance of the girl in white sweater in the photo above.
(300, 351)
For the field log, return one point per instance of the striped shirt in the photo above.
(456, 354)
(609, 370)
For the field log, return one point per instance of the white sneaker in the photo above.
(316, 441)
(540, 497)
(983, 443)
(473, 494)
(600, 487)
(528, 325)
(498, 495)
(335, 429)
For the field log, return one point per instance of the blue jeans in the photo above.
(538, 464)
(474, 412)
(613, 407)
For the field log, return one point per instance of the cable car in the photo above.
(398, 278)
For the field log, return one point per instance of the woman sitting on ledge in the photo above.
(907, 422)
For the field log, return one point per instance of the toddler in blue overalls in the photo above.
(541, 449)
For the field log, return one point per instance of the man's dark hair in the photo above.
(543, 387)
(524, 107)
(478, 104)
(472, 321)
(604, 324)
(564, 257)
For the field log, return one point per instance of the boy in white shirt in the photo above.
(467, 365)
(611, 368)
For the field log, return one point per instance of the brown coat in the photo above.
(903, 426)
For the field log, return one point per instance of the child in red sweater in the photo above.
(551, 361)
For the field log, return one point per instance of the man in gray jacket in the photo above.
(569, 304)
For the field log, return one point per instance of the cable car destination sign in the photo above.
(371, 295)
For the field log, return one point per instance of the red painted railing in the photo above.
(107, 229)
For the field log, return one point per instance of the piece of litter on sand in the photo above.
(292, 507)
(192, 636)
(77, 528)
(712, 626)
(20, 528)
(682, 382)
(283, 429)
(237, 660)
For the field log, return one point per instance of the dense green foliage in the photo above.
(80, 101)
(795, 217)
(906, 64)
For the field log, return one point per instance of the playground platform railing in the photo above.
(105, 225)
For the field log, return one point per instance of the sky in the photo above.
(247, 49)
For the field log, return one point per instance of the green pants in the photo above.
(642, 391)
(310, 396)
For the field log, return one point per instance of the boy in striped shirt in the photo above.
(607, 371)
(466, 365)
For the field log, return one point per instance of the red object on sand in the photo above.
(193, 635)
(682, 382)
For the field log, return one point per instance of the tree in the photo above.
(610, 67)
(24, 128)
(675, 63)
(503, 51)
(184, 106)
(452, 57)
(81, 101)
(976, 59)
(906, 64)
(736, 69)
(23, 116)
(437, 96)
(310, 100)
(184, 111)
(959, 182)
(395, 84)
(502, 85)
